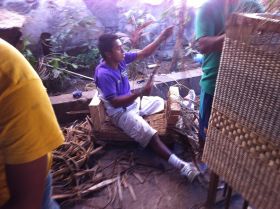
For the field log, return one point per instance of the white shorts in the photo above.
(132, 123)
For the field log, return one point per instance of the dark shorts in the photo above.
(206, 101)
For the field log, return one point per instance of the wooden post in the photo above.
(97, 112)
(212, 190)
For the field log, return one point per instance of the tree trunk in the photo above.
(178, 49)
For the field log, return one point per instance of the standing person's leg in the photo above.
(204, 115)
(206, 101)
(48, 202)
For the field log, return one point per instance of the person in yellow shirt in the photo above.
(28, 133)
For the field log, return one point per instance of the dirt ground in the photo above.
(156, 185)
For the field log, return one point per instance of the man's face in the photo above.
(117, 53)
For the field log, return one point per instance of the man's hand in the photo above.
(150, 49)
(123, 101)
(210, 44)
(167, 32)
(147, 88)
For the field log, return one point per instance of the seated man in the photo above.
(121, 105)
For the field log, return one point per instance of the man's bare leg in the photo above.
(186, 169)
(159, 147)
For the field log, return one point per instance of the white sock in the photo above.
(175, 161)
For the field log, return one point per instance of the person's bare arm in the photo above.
(26, 183)
(121, 101)
(149, 49)
(210, 44)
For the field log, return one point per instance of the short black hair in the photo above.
(105, 43)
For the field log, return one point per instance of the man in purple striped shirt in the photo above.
(123, 106)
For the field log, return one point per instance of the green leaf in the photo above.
(55, 63)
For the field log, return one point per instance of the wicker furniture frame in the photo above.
(243, 138)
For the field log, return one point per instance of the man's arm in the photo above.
(121, 101)
(26, 183)
(209, 44)
(149, 49)
(208, 39)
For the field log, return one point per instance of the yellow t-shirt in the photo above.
(28, 126)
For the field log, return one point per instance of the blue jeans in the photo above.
(48, 202)
(205, 107)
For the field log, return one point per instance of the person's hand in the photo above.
(147, 88)
(209, 44)
(166, 33)
(205, 44)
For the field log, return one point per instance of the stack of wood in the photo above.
(78, 173)
(73, 169)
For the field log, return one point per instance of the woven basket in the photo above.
(109, 131)
(243, 139)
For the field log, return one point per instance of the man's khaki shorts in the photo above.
(134, 125)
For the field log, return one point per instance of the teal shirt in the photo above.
(210, 21)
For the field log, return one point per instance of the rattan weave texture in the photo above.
(243, 139)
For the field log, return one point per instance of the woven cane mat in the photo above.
(243, 139)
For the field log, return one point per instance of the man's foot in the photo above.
(190, 171)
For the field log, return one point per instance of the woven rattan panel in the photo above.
(243, 140)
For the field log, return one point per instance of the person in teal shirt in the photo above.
(209, 31)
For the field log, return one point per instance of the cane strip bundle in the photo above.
(72, 175)
(77, 171)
